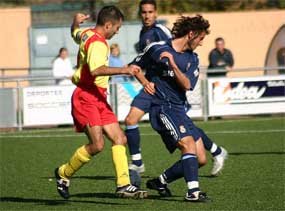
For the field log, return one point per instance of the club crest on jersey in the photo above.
(182, 129)
(196, 73)
(147, 42)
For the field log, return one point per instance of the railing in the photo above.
(203, 92)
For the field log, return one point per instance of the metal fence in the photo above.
(32, 101)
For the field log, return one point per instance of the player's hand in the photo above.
(149, 88)
(133, 70)
(170, 58)
(80, 18)
(167, 55)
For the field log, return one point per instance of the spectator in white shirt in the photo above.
(62, 67)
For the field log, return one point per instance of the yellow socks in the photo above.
(121, 165)
(79, 158)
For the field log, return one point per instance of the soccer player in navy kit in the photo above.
(153, 32)
(173, 67)
(150, 32)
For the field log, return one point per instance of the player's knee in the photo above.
(130, 121)
(120, 140)
(202, 160)
(187, 147)
(96, 147)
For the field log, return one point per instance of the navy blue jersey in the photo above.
(156, 33)
(159, 72)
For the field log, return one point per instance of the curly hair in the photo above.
(185, 24)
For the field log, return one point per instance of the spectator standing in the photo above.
(62, 67)
(220, 58)
(116, 61)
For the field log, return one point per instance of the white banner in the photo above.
(241, 96)
(194, 98)
(126, 92)
(47, 105)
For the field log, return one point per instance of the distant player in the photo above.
(153, 32)
(90, 110)
(174, 69)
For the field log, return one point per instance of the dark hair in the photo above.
(152, 2)
(109, 13)
(186, 24)
(59, 52)
(219, 39)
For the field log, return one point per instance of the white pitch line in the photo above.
(146, 134)
(145, 125)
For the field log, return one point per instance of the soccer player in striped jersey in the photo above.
(154, 32)
(90, 110)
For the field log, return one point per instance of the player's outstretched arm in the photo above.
(148, 86)
(77, 20)
(181, 79)
(105, 70)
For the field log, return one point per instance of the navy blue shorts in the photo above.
(173, 124)
(142, 101)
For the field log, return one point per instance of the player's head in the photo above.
(220, 43)
(148, 12)
(194, 29)
(110, 18)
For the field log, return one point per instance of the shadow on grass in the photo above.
(51, 202)
(88, 177)
(256, 153)
(112, 178)
(156, 197)
(95, 195)
(208, 176)
(110, 195)
(95, 177)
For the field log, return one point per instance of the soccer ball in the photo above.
(135, 178)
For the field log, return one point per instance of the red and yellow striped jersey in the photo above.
(93, 53)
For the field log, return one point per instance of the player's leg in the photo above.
(84, 114)
(219, 153)
(175, 172)
(201, 153)
(118, 139)
(176, 131)
(80, 157)
(190, 167)
(140, 105)
(133, 136)
(187, 166)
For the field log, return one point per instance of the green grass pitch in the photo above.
(253, 178)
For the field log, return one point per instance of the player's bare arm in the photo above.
(105, 70)
(148, 86)
(78, 19)
(182, 80)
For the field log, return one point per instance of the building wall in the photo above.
(14, 38)
(247, 34)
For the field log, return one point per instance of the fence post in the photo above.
(205, 96)
(19, 101)
(2, 75)
(113, 97)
